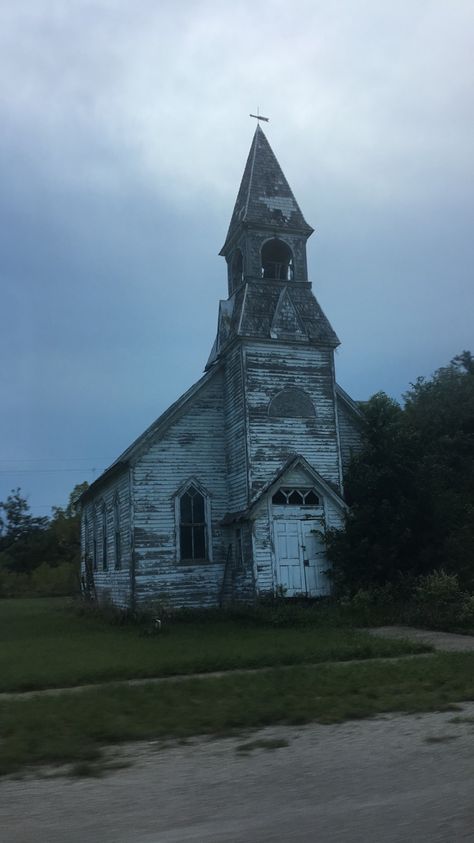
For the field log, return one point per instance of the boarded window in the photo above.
(292, 403)
(192, 525)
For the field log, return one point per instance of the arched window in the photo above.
(277, 261)
(117, 542)
(237, 270)
(193, 540)
(104, 537)
(291, 403)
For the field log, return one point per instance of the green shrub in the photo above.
(440, 603)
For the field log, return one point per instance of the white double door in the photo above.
(301, 560)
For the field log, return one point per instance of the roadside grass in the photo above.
(46, 644)
(76, 728)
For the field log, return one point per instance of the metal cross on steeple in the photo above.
(258, 116)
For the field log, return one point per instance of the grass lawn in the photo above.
(74, 728)
(45, 643)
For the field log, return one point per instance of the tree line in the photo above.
(39, 555)
(411, 486)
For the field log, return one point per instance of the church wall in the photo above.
(349, 432)
(235, 430)
(112, 585)
(192, 447)
(268, 370)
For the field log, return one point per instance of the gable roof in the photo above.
(292, 462)
(265, 198)
(157, 427)
(348, 402)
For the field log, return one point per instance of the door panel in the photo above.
(287, 546)
(318, 583)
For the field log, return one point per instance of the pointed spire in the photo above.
(265, 198)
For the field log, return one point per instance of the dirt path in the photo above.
(400, 779)
(446, 641)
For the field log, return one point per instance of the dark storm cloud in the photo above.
(124, 135)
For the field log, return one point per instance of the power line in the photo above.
(43, 470)
(55, 459)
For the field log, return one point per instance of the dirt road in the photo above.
(402, 778)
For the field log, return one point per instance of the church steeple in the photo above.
(265, 198)
(270, 297)
(267, 232)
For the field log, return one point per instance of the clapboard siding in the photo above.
(269, 369)
(349, 433)
(193, 446)
(235, 430)
(113, 584)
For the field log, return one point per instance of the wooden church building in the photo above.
(228, 494)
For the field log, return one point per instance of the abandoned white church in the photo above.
(228, 494)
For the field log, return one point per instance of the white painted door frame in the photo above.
(300, 557)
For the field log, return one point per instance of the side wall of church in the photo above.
(350, 433)
(268, 370)
(112, 575)
(193, 447)
(235, 430)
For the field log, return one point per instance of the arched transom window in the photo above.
(192, 525)
(291, 496)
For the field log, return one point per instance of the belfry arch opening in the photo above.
(236, 270)
(277, 261)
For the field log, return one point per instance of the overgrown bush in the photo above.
(440, 603)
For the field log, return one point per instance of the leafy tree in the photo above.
(39, 546)
(411, 487)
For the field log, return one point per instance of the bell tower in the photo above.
(273, 340)
(267, 233)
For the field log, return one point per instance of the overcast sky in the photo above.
(124, 131)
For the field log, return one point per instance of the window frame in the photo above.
(95, 566)
(117, 535)
(105, 560)
(192, 482)
(303, 490)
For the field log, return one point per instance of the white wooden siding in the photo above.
(111, 585)
(349, 433)
(235, 431)
(269, 369)
(193, 446)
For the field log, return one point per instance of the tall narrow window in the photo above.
(192, 525)
(94, 537)
(104, 537)
(117, 543)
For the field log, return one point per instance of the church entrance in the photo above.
(301, 561)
